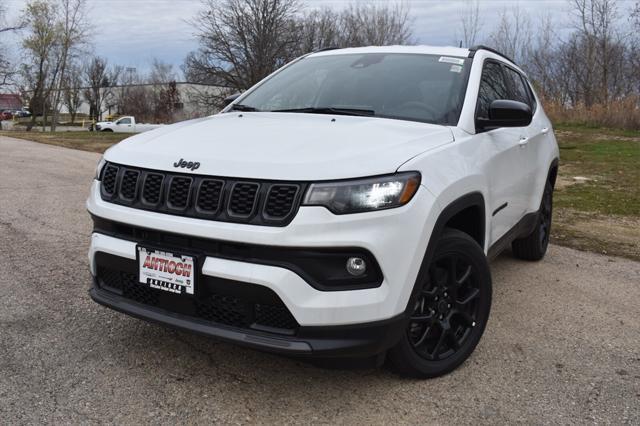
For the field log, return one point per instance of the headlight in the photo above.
(354, 196)
(99, 168)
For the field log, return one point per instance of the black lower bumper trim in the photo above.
(360, 340)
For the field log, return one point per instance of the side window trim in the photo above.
(532, 100)
(501, 65)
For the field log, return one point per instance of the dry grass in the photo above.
(620, 114)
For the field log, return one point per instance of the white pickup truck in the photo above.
(124, 125)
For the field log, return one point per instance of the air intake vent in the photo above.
(129, 184)
(179, 192)
(152, 188)
(109, 179)
(280, 201)
(243, 199)
(209, 195)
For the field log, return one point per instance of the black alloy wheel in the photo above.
(450, 313)
(534, 246)
(446, 310)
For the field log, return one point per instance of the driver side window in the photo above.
(124, 121)
(493, 86)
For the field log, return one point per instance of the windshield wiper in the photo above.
(331, 110)
(240, 107)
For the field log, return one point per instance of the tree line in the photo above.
(589, 73)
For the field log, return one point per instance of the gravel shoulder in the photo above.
(562, 344)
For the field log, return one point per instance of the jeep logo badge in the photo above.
(191, 165)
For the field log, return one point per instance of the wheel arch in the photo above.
(553, 172)
(467, 214)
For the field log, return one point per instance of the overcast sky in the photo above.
(132, 32)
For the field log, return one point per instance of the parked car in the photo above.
(21, 113)
(6, 115)
(346, 206)
(124, 125)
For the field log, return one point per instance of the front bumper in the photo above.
(361, 340)
(397, 238)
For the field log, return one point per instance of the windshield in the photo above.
(417, 87)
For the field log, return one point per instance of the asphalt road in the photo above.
(562, 344)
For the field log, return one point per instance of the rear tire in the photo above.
(450, 313)
(534, 246)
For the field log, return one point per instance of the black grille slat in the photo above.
(242, 201)
(129, 184)
(109, 179)
(152, 188)
(280, 201)
(209, 195)
(257, 202)
(179, 192)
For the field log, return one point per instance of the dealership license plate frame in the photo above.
(169, 253)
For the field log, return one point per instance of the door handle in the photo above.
(545, 130)
(523, 142)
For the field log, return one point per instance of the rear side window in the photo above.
(493, 86)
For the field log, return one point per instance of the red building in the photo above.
(10, 101)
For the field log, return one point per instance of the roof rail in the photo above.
(324, 49)
(474, 49)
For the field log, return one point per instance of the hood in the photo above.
(104, 122)
(282, 146)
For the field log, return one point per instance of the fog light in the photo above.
(356, 266)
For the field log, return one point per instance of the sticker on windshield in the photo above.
(456, 68)
(450, 60)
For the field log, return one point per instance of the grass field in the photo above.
(597, 198)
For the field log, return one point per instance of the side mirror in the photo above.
(231, 98)
(506, 113)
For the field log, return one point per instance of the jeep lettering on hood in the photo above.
(191, 165)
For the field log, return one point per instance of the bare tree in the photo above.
(40, 43)
(73, 35)
(99, 81)
(242, 41)
(513, 34)
(71, 88)
(7, 69)
(470, 22)
(363, 24)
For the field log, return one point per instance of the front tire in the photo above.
(450, 313)
(534, 246)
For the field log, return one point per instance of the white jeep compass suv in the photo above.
(345, 206)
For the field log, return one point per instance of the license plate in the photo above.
(166, 271)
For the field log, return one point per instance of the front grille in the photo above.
(207, 197)
(129, 184)
(109, 179)
(179, 192)
(260, 308)
(243, 199)
(152, 188)
(280, 201)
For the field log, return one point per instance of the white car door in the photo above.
(124, 125)
(506, 161)
(533, 144)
